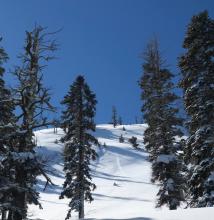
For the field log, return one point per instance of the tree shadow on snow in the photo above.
(50, 158)
(100, 196)
(118, 178)
(56, 189)
(127, 152)
(101, 132)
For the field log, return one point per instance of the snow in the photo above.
(165, 158)
(23, 156)
(122, 175)
(211, 177)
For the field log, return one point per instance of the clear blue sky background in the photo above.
(101, 39)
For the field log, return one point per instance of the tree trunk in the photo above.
(20, 197)
(3, 214)
(81, 207)
(21, 204)
(10, 215)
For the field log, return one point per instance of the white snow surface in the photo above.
(122, 175)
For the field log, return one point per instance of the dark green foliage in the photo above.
(56, 125)
(172, 187)
(7, 141)
(133, 141)
(114, 117)
(78, 125)
(121, 139)
(120, 121)
(161, 116)
(197, 67)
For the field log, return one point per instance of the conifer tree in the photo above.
(133, 141)
(7, 129)
(32, 100)
(161, 117)
(78, 125)
(121, 139)
(197, 67)
(120, 120)
(114, 116)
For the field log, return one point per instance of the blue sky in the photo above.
(103, 40)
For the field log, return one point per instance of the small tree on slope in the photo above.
(78, 125)
(197, 67)
(162, 120)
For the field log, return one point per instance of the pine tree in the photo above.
(136, 120)
(161, 117)
(7, 129)
(133, 141)
(32, 100)
(78, 125)
(197, 67)
(121, 139)
(56, 125)
(120, 121)
(114, 116)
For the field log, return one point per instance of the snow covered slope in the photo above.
(121, 173)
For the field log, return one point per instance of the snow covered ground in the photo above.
(121, 173)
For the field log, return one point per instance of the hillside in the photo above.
(121, 173)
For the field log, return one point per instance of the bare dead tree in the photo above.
(33, 101)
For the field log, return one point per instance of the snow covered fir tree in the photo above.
(197, 67)
(78, 125)
(8, 141)
(163, 126)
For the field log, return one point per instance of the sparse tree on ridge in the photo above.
(78, 125)
(114, 116)
(120, 121)
(56, 125)
(136, 120)
(161, 117)
(197, 67)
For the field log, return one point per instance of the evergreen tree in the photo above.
(136, 120)
(56, 125)
(7, 129)
(162, 120)
(120, 121)
(32, 100)
(121, 139)
(197, 67)
(114, 116)
(133, 141)
(78, 125)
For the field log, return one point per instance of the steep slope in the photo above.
(121, 173)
